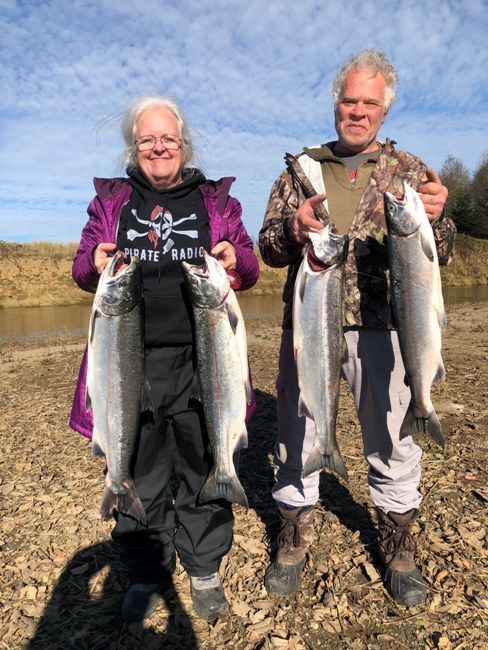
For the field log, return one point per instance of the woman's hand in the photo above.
(102, 255)
(225, 253)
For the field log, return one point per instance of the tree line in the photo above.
(467, 203)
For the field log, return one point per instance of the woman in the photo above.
(164, 212)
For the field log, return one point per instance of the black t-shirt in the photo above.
(163, 228)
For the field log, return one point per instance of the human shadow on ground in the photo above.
(85, 615)
(256, 473)
(256, 464)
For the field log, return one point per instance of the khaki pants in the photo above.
(375, 374)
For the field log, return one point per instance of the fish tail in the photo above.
(335, 463)
(230, 491)
(127, 503)
(413, 423)
(314, 463)
(433, 428)
(318, 461)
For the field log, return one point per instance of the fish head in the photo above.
(120, 287)
(208, 283)
(328, 247)
(404, 216)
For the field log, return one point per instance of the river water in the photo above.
(27, 325)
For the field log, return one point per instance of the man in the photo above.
(344, 182)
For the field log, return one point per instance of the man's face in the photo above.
(360, 111)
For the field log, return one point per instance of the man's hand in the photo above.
(303, 221)
(225, 253)
(433, 194)
(103, 254)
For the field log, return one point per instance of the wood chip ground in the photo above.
(61, 582)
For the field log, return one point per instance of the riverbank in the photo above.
(39, 274)
(62, 583)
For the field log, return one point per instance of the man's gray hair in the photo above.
(129, 122)
(374, 60)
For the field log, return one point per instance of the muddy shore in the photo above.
(61, 583)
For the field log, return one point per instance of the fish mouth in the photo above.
(210, 272)
(401, 214)
(115, 270)
(115, 264)
(408, 191)
(198, 270)
(395, 200)
(327, 249)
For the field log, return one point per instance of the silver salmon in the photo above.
(117, 390)
(222, 376)
(319, 344)
(418, 307)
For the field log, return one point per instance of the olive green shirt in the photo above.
(343, 195)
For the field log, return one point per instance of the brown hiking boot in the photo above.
(283, 577)
(397, 547)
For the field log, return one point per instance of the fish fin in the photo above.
(415, 423)
(127, 504)
(233, 317)
(195, 392)
(426, 245)
(443, 320)
(303, 409)
(91, 325)
(88, 403)
(440, 374)
(344, 352)
(230, 491)
(97, 448)
(146, 399)
(302, 281)
(248, 391)
(318, 461)
(241, 442)
(297, 342)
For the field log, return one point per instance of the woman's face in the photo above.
(161, 166)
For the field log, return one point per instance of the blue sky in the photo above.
(253, 77)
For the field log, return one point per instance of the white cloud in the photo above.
(254, 79)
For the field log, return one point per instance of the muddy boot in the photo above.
(284, 575)
(397, 548)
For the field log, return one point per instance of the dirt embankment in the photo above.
(61, 583)
(39, 274)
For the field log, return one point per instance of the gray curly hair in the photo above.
(129, 122)
(374, 60)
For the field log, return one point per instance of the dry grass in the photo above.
(39, 274)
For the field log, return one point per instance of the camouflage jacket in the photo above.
(367, 275)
